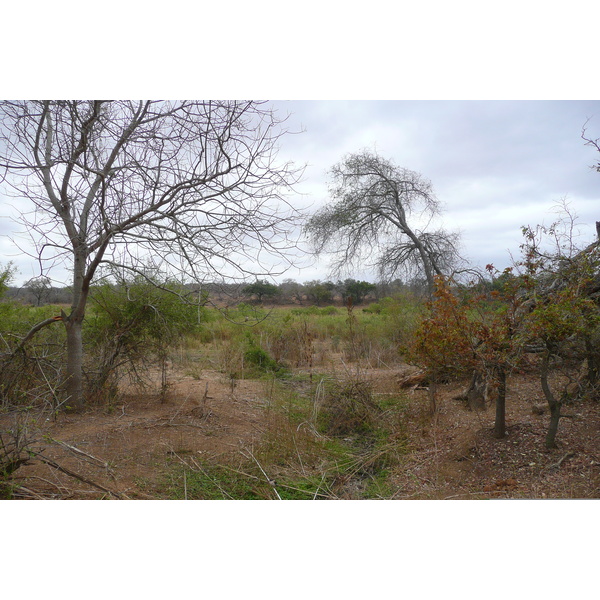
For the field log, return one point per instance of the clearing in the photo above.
(209, 431)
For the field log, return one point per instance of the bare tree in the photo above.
(192, 186)
(40, 287)
(380, 216)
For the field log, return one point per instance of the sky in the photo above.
(489, 107)
(494, 165)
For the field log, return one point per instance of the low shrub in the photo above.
(347, 407)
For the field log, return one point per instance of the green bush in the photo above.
(258, 358)
(133, 322)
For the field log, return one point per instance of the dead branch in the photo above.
(417, 379)
(557, 464)
(33, 331)
(271, 482)
(55, 465)
(85, 455)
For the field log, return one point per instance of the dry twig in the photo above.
(70, 473)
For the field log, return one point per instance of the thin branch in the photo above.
(70, 473)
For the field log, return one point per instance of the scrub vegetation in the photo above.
(143, 380)
(488, 388)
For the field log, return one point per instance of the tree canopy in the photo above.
(380, 215)
(261, 288)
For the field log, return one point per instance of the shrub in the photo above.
(348, 408)
(256, 357)
(132, 323)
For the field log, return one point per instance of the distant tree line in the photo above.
(39, 291)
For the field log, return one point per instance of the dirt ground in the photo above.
(458, 457)
(120, 453)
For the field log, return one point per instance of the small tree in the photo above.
(320, 292)
(40, 288)
(7, 274)
(355, 291)
(379, 215)
(564, 314)
(261, 289)
(561, 323)
(470, 335)
(442, 343)
(499, 345)
(291, 290)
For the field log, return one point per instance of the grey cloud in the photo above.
(496, 165)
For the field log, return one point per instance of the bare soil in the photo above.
(457, 456)
(123, 450)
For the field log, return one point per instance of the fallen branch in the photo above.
(70, 473)
(75, 450)
(482, 493)
(25, 493)
(557, 465)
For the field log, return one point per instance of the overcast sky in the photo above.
(495, 165)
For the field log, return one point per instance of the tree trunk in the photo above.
(476, 393)
(553, 403)
(432, 393)
(74, 374)
(593, 362)
(500, 423)
(553, 426)
(74, 324)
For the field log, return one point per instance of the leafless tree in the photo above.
(192, 185)
(40, 287)
(380, 216)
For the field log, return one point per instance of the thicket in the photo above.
(132, 325)
(547, 305)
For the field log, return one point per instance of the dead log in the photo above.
(418, 379)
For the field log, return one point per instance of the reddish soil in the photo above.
(452, 456)
(457, 455)
(133, 438)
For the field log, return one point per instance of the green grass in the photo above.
(304, 337)
(208, 482)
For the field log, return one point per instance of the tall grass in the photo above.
(308, 337)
